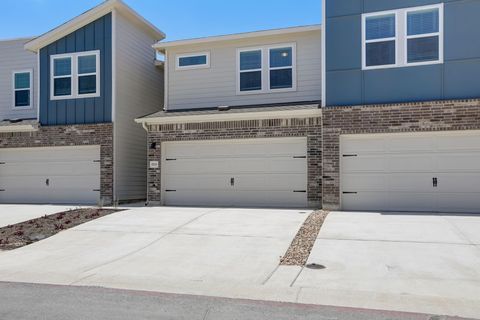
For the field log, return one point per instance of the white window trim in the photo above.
(425, 35)
(194, 54)
(30, 104)
(401, 43)
(265, 69)
(74, 75)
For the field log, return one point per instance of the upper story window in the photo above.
(193, 61)
(403, 37)
(75, 75)
(266, 69)
(22, 89)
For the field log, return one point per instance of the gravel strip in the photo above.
(27, 232)
(299, 251)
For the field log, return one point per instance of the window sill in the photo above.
(83, 96)
(241, 93)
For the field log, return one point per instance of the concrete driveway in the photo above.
(415, 263)
(182, 250)
(422, 263)
(15, 213)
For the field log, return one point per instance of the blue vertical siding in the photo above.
(348, 84)
(94, 36)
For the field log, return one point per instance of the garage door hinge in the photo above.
(300, 191)
(96, 160)
(96, 190)
(170, 190)
(350, 155)
(2, 162)
(170, 159)
(349, 192)
(299, 157)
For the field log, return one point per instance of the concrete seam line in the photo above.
(151, 243)
(458, 231)
(298, 275)
(398, 241)
(270, 275)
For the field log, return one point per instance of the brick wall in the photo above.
(247, 129)
(72, 135)
(411, 117)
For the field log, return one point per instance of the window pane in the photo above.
(87, 64)
(192, 61)
(380, 27)
(425, 21)
(22, 98)
(62, 66)
(22, 80)
(250, 60)
(62, 87)
(423, 49)
(281, 57)
(280, 79)
(250, 81)
(380, 53)
(87, 84)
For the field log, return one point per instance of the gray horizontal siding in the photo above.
(94, 36)
(202, 88)
(347, 84)
(14, 57)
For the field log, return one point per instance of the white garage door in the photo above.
(50, 175)
(253, 172)
(437, 172)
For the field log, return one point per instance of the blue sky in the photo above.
(178, 19)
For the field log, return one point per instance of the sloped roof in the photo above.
(88, 17)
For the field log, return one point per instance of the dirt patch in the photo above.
(27, 232)
(299, 251)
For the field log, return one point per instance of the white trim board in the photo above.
(284, 114)
(401, 37)
(163, 45)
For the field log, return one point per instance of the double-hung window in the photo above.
(266, 69)
(22, 89)
(75, 75)
(404, 37)
(380, 40)
(423, 35)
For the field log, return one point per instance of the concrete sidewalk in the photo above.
(16, 213)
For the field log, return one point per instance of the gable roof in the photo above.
(90, 16)
(264, 33)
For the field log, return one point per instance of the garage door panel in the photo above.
(187, 182)
(216, 149)
(270, 182)
(415, 172)
(363, 163)
(387, 182)
(409, 163)
(408, 144)
(50, 175)
(459, 202)
(362, 182)
(458, 142)
(458, 182)
(265, 172)
(45, 169)
(458, 161)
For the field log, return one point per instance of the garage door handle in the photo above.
(47, 182)
(232, 181)
(435, 182)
